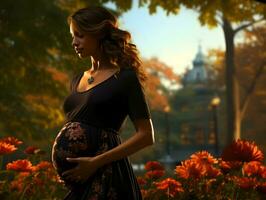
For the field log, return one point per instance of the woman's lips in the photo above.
(79, 50)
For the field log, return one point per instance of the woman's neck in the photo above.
(98, 64)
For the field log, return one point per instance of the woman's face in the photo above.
(84, 44)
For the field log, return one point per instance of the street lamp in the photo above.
(215, 102)
(167, 129)
(167, 160)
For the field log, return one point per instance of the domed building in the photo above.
(193, 125)
(198, 74)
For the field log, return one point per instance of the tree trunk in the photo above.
(232, 90)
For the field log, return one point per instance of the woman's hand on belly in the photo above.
(86, 167)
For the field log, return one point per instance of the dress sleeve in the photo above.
(137, 103)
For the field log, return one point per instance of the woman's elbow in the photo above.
(151, 142)
(145, 128)
(149, 138)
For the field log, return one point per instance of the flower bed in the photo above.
(238, 174)
(30, 178)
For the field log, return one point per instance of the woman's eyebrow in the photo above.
(77, 32)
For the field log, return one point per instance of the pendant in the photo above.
(90, 80)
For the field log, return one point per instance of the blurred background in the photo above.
(205, 61)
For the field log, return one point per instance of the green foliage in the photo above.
(34, 35)
(235, 11)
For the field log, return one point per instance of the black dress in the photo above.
(93, 121)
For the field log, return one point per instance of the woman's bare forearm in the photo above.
(135, 143)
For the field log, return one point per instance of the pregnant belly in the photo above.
(75, 139)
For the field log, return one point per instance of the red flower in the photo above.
(212, 172)
(153, 165)
(227, 166)
(19, 182)
(204, 157)
(190, 169)
(141, 181)
(262, 171)
(16, 185)
(170, 186)
(20, 165)
(251, 168)
(43, 165)
(31, 150)
(6, 148)
(23, 174)
(154, 174)
(11, 140)
(245, 182)
(242, 150)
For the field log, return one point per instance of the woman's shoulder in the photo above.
(129, 78)
(128, 74)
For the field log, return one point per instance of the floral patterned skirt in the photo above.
(115, 180)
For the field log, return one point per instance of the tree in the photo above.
(250, 64)
(158, 72)
(34, 39)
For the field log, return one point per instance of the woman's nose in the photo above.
(74, 42)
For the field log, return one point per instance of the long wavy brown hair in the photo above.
(114, 42)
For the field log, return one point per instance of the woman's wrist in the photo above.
(99, 159)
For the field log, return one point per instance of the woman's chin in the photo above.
(81, 55)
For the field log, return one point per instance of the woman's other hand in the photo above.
(86, 167)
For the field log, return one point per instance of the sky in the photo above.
(173, 39)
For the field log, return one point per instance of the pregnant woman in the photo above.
(87, 152)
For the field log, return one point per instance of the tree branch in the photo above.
(220, 21)
(250, 90)
(247, 25)
(219, 18)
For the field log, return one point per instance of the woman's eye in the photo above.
(80, 35)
